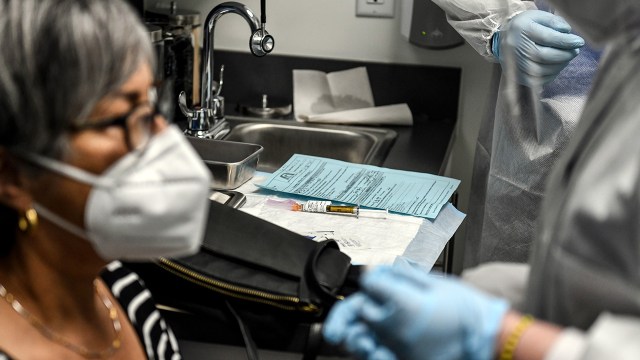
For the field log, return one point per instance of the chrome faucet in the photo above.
(207, 121)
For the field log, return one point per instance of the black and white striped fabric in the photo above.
(156, 337)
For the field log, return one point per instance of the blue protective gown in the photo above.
(517, 146)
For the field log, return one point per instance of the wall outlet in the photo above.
(375, 8)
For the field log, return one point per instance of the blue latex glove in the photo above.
(344, 326)
(538, 43)
(418, 316)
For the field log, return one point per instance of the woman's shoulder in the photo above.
(136, 300)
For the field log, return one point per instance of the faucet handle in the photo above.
(198, 120)
(182, 102)
(219, 87)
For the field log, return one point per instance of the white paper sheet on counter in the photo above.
(405, 192)
(342, 97)
(366, 241)
(398, 114)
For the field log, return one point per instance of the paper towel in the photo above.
(398, 114)
(343, 97)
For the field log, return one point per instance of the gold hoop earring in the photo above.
(28, 221)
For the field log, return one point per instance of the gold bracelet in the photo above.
(509, 347)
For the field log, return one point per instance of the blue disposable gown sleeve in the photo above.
(477, 20)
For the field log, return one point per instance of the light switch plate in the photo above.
(375, 8)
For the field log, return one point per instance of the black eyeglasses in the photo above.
(138, 123)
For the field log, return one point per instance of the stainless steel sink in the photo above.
(283, 138)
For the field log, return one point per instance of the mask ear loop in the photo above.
(67, 170)
(29, 220)
(60, 222)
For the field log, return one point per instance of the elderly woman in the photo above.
(89, 173)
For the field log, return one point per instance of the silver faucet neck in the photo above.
(216, 13)
(208, 120)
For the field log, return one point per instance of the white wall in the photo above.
(330, 29)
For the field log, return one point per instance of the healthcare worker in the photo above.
(584, 289)
(516, 148)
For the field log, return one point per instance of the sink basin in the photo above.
(283, 138)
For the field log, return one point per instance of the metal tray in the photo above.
(231, 163)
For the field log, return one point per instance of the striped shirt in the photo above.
(156, 337)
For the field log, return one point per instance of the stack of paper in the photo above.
(403, 192)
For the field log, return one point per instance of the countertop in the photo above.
(422, 147)
(431, 92)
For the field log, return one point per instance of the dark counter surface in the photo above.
(421, 147)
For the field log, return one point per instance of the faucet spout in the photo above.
(207, 93)
(207, 121)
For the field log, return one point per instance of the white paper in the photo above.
(366, 241)
(316, 92)
(405, 192)
(398, 114)
(343, 97)
(433, 236)
(350, 89)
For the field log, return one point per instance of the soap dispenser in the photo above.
(424, 24)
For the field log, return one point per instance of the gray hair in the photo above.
(58, 58)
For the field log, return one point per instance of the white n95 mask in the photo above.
(600, 20)
(150, 203)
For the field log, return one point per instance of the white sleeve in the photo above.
(569, 346)
(501, 279)
(611, 337)
(614, 337)
(477, 20)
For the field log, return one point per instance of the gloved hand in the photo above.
(343, 326)
(418, 316)
(538, 43)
